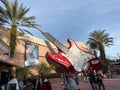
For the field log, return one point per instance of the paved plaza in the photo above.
(110, 84)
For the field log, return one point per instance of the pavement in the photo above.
(110, 84)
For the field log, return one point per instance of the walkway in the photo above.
(110, 84)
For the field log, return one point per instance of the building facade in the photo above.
(30, 51)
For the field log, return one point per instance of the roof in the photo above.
(32, 39)
(35, 40)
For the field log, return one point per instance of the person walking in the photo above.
(4, 81)
(44, 83)
(29, 85)
(13, 83)
(72, 82)
(63, 78)
(100, 80)
(76, 79)
(92, 79)
(33, 81)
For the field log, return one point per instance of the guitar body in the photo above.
(75, 60)
(95, 64)
(62, 60)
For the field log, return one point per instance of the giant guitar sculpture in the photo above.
(73, 59)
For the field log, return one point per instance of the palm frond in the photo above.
(28, 32)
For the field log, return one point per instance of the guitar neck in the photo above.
(55, 42)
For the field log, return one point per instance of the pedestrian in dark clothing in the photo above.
(44, 84)
(63, 78)
(93, 80)
(34, 82)
(4, 81)
(24, 80)
(100, 81)
(29, 85)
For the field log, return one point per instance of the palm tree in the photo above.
(44, 69)
(23, 71)
(93, 46)
(101, 39)
(15, 17)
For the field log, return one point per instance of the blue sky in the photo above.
(76, 19)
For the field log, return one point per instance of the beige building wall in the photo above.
(44, 47)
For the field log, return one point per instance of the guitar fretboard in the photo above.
(55, 42)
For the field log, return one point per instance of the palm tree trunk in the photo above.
(13, 38)
(103, 57)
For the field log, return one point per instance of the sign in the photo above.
(31, 55)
